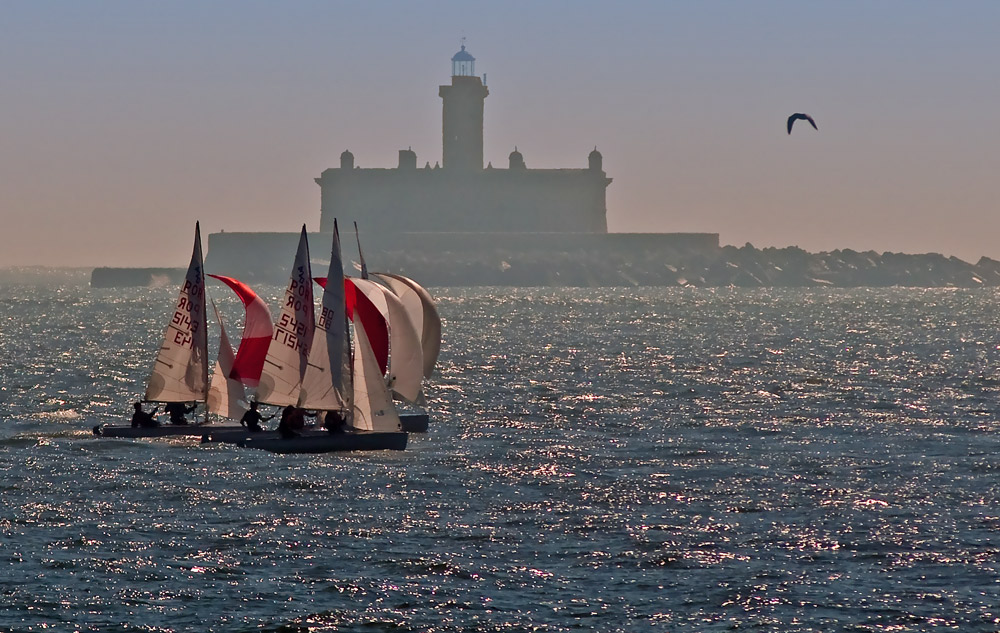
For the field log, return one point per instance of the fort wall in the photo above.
(490, 200)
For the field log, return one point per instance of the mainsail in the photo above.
(324, 386)
(422, 312)
(225, 394)
(180, 373)
(288, 352)
(373, 408)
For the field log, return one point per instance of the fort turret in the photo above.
(595, 161)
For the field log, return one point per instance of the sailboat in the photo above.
(180, 371)
(319, 374)
(400, 356)
(426, 326)
(412, 330)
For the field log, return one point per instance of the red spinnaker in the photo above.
(257, 332)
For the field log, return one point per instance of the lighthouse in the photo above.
(462, 127)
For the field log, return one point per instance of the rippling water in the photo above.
(599, 460)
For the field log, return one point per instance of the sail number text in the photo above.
(291, 332)
(325, 318)
(186, 326)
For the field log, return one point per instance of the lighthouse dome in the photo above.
(463, 64)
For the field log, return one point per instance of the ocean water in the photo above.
(598, 460)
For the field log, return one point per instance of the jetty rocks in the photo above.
(719, 266)
(726, 266)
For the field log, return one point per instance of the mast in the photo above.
(323, 382)
(361, 256)
(203, 343)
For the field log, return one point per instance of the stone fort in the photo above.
(459, 194)
(460, 223)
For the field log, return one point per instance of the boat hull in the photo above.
(411, 423)
(322, 442)
(167, 430)
(414, 422)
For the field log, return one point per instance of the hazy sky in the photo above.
(124, 122)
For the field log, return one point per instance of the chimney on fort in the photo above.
(463, 115)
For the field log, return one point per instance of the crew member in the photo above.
(143, 419)
(252, 418)
(335, 422)
(177, 411)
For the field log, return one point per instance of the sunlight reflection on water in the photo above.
(601, 460)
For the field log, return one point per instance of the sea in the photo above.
(617, 459)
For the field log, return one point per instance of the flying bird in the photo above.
(799, 115)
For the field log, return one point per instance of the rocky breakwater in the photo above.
(744, 266)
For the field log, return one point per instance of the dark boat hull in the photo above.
(322, 442)
(167, 430)
(414, 422)
(411, 423)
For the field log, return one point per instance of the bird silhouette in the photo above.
(799, 115)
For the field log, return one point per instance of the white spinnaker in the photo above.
(373, 408)
(324, 385)
(288, 352)
(180, 372)
(226, 396)
(406, 356)
(425, 317)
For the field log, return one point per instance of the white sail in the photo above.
(180, 373)
(373, 408)
(288, 352)
(406, 356)
(226, 396)
(323, 386)
(423, 314)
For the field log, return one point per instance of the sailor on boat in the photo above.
(143, 419)
(293, 420)
(335, 422)
(252, 418)
(177, 411)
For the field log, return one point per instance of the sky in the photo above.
(122, 123)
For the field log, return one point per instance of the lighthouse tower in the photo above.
(463, 115)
